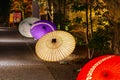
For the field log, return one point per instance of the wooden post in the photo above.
(35, 9)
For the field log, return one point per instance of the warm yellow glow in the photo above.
(82, 14)
(11, 18)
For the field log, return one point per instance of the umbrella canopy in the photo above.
(102, 68)
(46, 21)
(55, 46)
(40, 28)
(25, 26)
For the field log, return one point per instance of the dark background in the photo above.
(4, 11)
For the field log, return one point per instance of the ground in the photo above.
(68, 68)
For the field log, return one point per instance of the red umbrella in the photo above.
(102, 68)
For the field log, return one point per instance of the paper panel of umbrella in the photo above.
(42, 27)
(105, 67)
(25, 26)
(52, 45)
(55, 46)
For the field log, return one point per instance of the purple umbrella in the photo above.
(40, 28)
(46, 21)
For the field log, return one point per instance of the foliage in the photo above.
(101, 39)
(76, 8)
(77, 20)
(79, 37)
(100, 22)
(61, 21)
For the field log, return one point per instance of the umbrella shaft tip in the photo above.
(54, 40)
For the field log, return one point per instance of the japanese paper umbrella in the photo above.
(40, 28)
(55, 46)
(102, 68)
(25, 26)
(47, 22)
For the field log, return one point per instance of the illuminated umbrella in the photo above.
(25, 26)
(40, 28)
(49, 23)
(102, 68)
(55, 46)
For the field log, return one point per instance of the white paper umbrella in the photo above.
(55, 46)
(25, 26)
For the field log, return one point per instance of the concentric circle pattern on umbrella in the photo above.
(49, 23)
(55, 46)
(102, 68)
(25, 26)
(40, 28)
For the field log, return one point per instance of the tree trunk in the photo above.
(87, 29)
(59, 9)
(91, 27)
(35, 9)
(117, 40)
